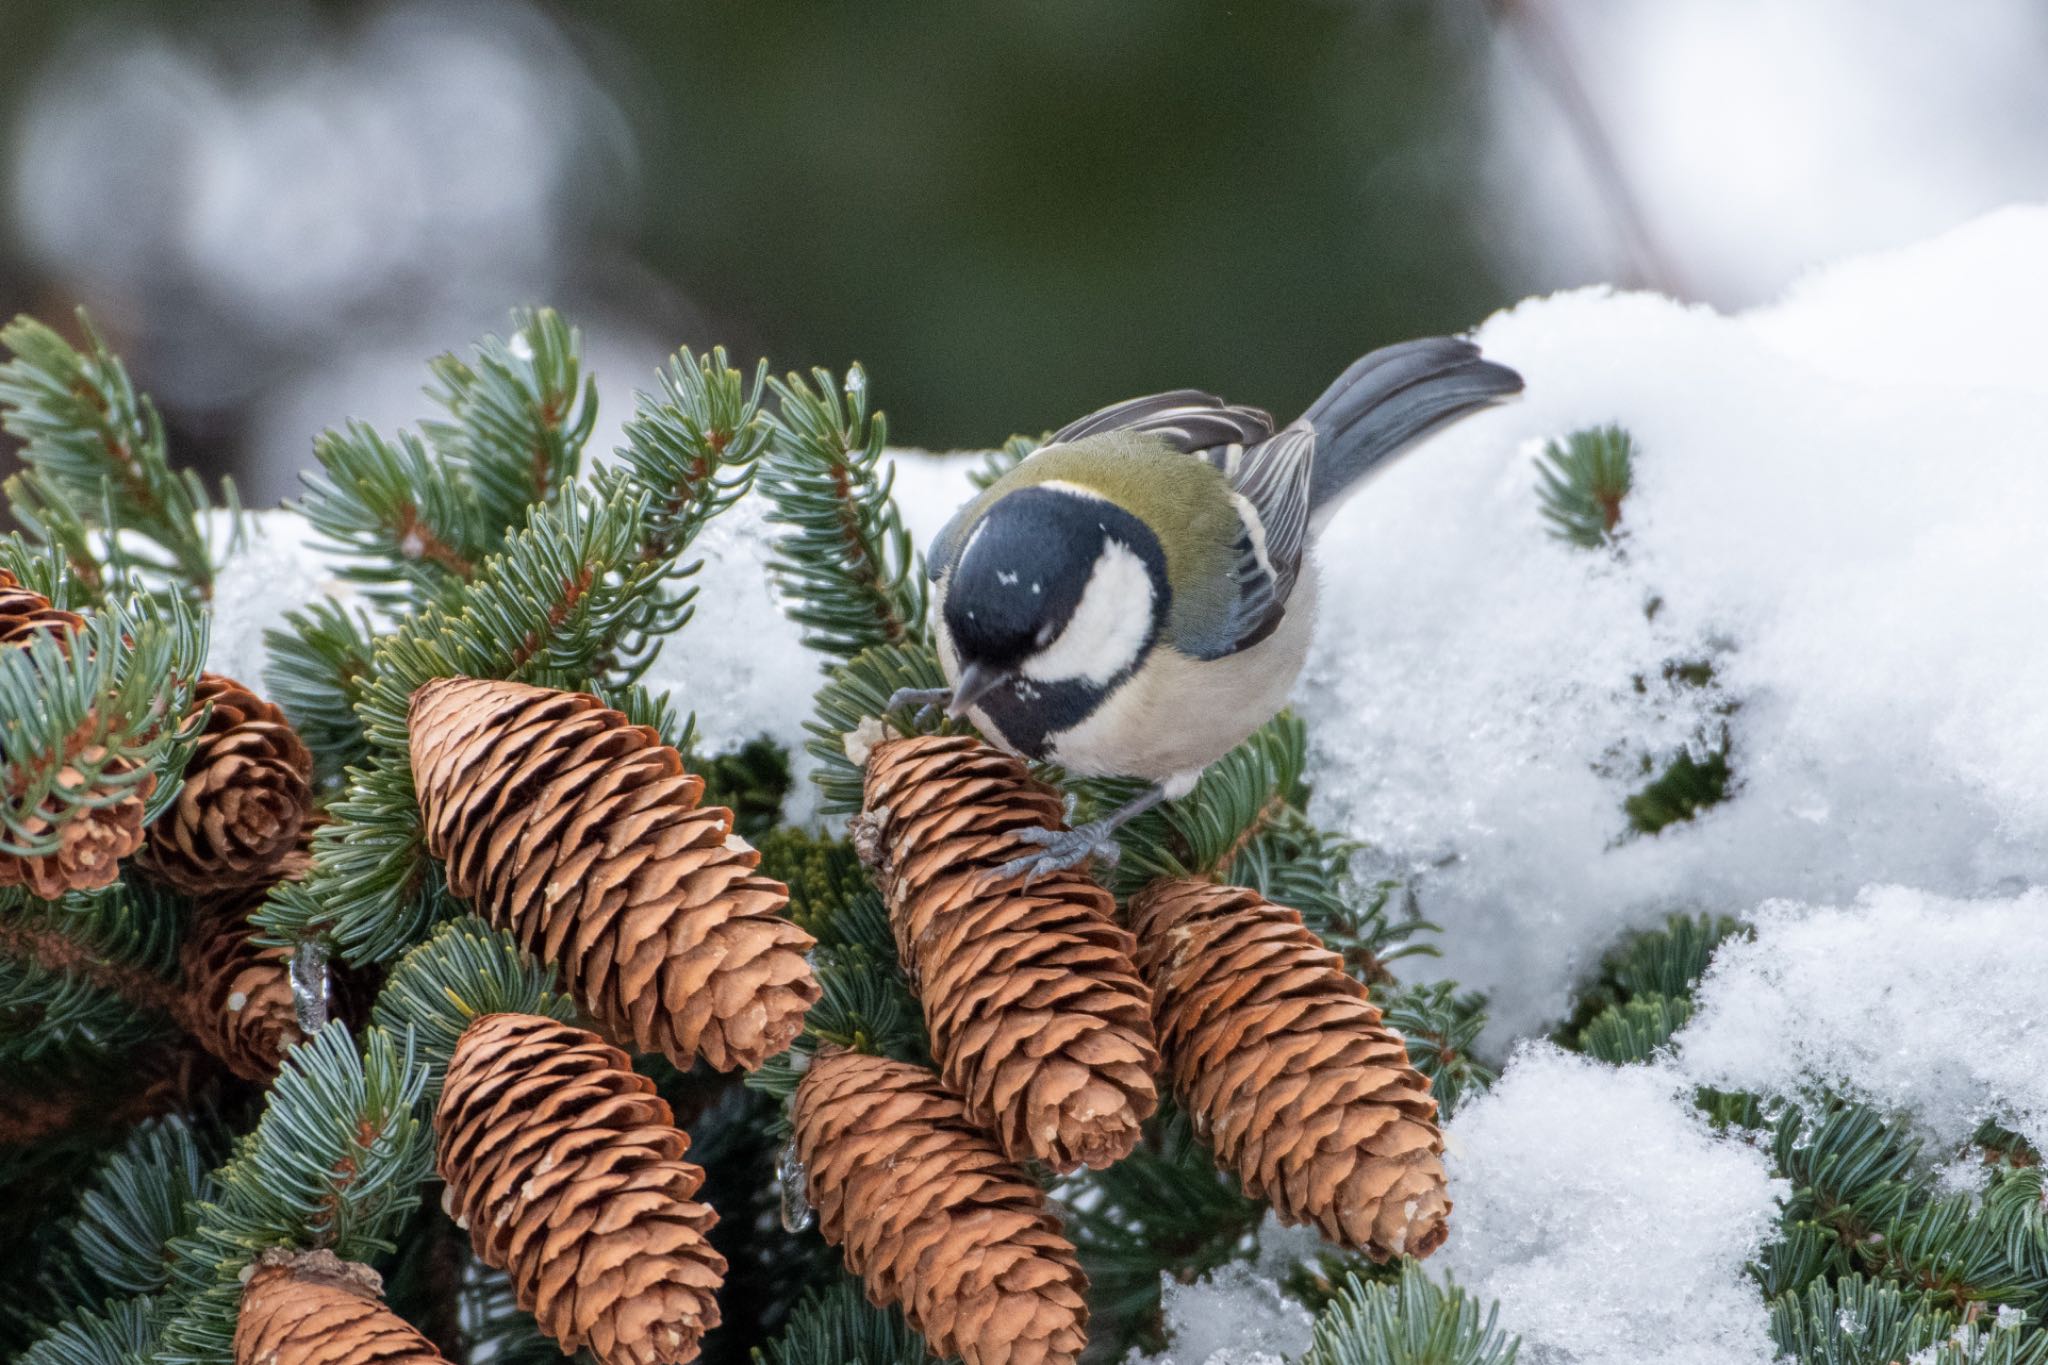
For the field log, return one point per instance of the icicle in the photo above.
(309, 985)
(797, 1212)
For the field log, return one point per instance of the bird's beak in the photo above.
(976, 682)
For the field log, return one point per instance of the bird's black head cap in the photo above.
(1025, 568)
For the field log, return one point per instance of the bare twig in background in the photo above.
(1555, 66)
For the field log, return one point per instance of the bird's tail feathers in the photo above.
(1389, 400)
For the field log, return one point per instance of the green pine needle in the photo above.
(1689, 784)
(94, 719)
(1164, 1209)
(1441, 1026)
(838, 1326)
(518, 417)
(1635, 1031)
(120, 1333)
(752, 782)
(1582, 482)
(1004, 458)
(692, 447)
(418, 517)
(1415, 1321)
(463, 971)
(852, 715)
(144, 1197)
(319, 671)
(1857, 1321)
(99, 479)
(336, 1161)
(845, 563)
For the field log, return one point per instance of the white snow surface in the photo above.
(1594, 1203)
(275, 568)
(1918, 1004)
(1837, 501)
(1235, 1315)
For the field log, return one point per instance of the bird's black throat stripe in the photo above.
(1028, 714)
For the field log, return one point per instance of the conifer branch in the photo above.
(96, 452)
(95, 719)
(692, 447)
(143, 1197)
(518, 417)
(1408, 1322)
(846, 564)
(120, 1333)
(852, 715)
(35, 944)
(463, 971)
(1166, 1209)
(318, 671)
(336, 1161)
(839, 1326)
(1441, 1025)
(1582, 481)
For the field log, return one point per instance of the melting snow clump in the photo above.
(1831, 544)
(1912, 1002)
(1612, 1225)
(1232, 1316)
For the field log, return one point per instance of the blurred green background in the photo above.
(1017, 212)
(1010, 212)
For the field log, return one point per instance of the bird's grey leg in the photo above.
(1065, 848)
(928, 700)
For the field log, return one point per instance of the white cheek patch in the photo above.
(1109, 626)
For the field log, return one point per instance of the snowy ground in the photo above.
(1839, 505)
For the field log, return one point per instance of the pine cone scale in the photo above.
(316, 1309)
(1036, 1012)
(1278, 1053)
(933, 1217)
(568, 1171)
(581, 834)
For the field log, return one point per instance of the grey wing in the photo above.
(1271, 480)
(1187, 419)
(1270, 473)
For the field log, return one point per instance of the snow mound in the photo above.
(1831, 548)
(1914, 1003)
(277, 567)
(1611, 1224)
(740, 664)
(1232, 1316)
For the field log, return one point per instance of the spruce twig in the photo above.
(1582, 481)
(100, 481)
(846, 563)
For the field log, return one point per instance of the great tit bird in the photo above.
(1132, 599)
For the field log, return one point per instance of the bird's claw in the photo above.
(1064, 849)
(928, 701)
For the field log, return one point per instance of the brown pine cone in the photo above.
(1036, 1013)
(582, 835)
(238, 993)
(25, 614)
(247, 791)
(1276, 1053)
(96, 838)
(933, 1217)
(317, 1309)
(568, 1172)
(92, 842)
